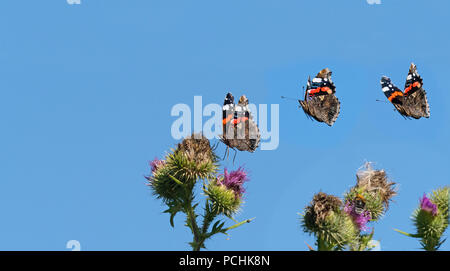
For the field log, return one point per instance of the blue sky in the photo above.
(86, 93)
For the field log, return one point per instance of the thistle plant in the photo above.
(367, 202)
(325, 219)
(173, 180)
(431, 219)
(340, 225)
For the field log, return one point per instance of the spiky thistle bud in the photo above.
(197, 149)
(226, 191)
(431, 218)
(368, 201)
(324, 218)
(321, 206)
(193, 159)
(376, 182)
(373, 191)
(161, 183)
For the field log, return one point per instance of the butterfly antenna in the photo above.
(381, 101)
(234, 157)
(214, 147)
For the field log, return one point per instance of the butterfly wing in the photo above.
(308, 87)
(413, 103)
(413, 81)
(324, 108)
(392, 92)
(247, 132)
(228, 109)
(228, 113)
(416, 102)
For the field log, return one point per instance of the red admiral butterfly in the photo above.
(412, 102)
(320, 102)
(239, 130)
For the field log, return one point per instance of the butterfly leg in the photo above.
(234, 157)
(225, 154)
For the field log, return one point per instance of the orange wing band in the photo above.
(228, 119)
(395, 95)
(317, 90)
(408, 89)
(238, 120)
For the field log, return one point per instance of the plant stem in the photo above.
(209, 216)
(322, 245)
(191, 216)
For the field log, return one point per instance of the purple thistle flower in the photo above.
(427, 205)
(155, 164)
(360, 219)
(234, 180)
